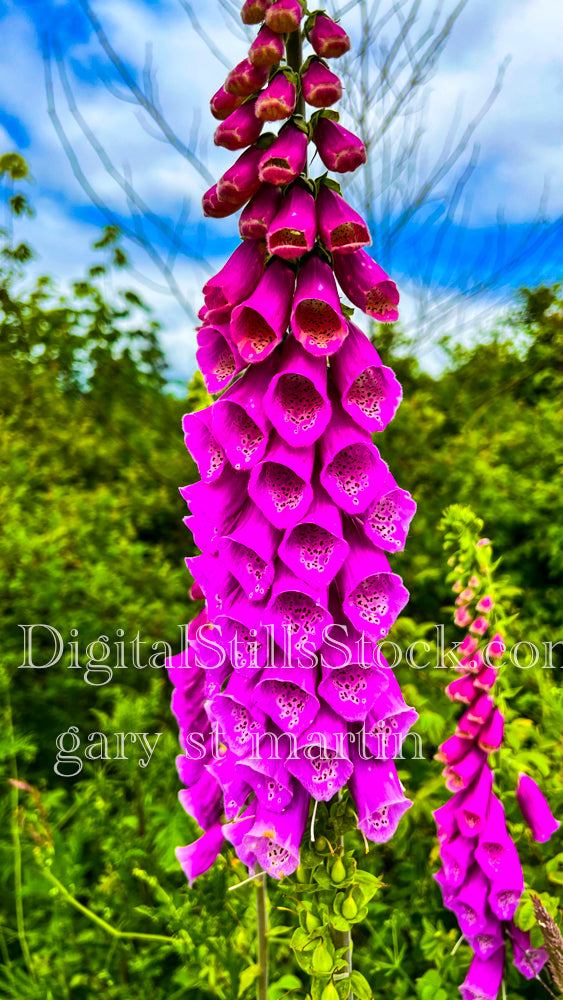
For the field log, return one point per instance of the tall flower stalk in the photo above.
(282, 697)
(481, 876)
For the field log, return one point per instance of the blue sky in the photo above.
(520, 149)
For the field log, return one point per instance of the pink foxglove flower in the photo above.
(256, 217)
(341, 229)
(321, 87)
(284, 16)
(277, 101)
(535, 809)
(367, 286)
(339, 149)
(223, 104)
(286, 157)
(328, 38)
(293, 230)
(245, 79)
(295, 510)
(481, 876)
(316, 318)
(267, 48)
(253, 11)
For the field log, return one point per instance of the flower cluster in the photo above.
(481, 876)
(295, 509)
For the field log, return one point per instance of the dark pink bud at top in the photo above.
(241, 180)
(255, 219)
(286, 157)
(367, 285)
(339, 149)
(223, 104)
(328, 39)
(277, 101)
(217, 208)
(341, 229)
(267, 48)
(259, 323)
(320, 86)
(240, 129)
(253, 11)
(316, 318)
(246, 79)
(535, 809)
(292, 233)
(284, 16)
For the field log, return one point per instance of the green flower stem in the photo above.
(262, 927)
(108, 928)
(294, 55)
(18, 894)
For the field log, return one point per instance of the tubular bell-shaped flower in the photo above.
(294, 506)
(339, 149)
(293, 230)
(316, 317)
(481, 878)
(320, 86)
(296, 400)
(277, 101)
(366, 285)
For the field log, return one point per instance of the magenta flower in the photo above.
(379, 798)
(296, 400)
(339, 149)
(367, 285)
(277, 101)
(462, 617)
(314, 549)
(238, 277)
(294, 507)
(316, 317)
(240, 182)
(320, 86)
(535, 809)
(216, 208)
(256, 217)
(217, 357)
(240, 129)
(267, 49)
(253, 11)
(340, 227)
(284, 16)
(223, 104)
(529, 961)
(286, 157)
(484, 977)
(258, 323)
(328, 38)
(245, 79)
(198, 857)
(293, 230)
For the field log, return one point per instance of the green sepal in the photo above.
(328, 182)
(303, 125)
(265, 140)
(313, 58)
(343, 817)
(368, 883)
(360, 986)
(323, 113)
